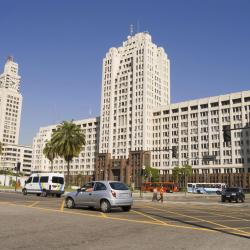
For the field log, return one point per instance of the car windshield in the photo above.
(118, 186)
(232, 190)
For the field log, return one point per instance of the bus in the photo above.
(168, 186)
(205, 188)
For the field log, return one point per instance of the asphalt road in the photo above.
(31, 222)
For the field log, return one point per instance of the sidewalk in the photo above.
(175, 196)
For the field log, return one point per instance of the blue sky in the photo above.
(59, 46)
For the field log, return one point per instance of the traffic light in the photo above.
(174, 152)
(226, 133)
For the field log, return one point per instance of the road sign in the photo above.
(209, 158)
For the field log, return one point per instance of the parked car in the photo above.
(102, 195)
(233, 194)
(44, 184)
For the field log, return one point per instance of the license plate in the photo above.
(124, 195)
(228, 196)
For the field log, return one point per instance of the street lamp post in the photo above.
(142, 178)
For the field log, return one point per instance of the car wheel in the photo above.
(70, 203)
(126, 208)
(105, 206)
(38, 194)
(229, 200)
(24, 191)
(222, 200)
(242, 199)
(236, 200)
(44, 193)
(58, 195)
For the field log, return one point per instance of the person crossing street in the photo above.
(161, 194)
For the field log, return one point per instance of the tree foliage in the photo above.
(180, 174)
(67, 141)
(152, 173)
(50, 153)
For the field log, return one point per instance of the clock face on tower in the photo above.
(13, 84)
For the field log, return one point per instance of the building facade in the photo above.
(12, 154)
(82, 165)
(10, 103)
(135, 79)
(138, 126)
(196, 129)
(10, 116)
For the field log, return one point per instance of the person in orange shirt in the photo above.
(161, 194)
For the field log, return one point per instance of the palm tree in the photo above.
(67, 141)
(50, 154)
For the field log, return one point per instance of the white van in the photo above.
(44, 184)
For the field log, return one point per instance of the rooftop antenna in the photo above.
(138, 26)
(131, 29)
(10, 58)
(90, 111)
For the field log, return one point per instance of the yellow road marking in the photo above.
(150, 217)
(223, 215)
(216, 220)
(62, 206)
(104, 215)
(114, 218)
(33, 204)
(210, 222)
(235, 227)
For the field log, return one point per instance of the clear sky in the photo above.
(59, 46)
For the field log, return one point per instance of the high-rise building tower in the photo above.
(10, 103)
(135, 79)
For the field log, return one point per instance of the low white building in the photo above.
(196, 128)
(84, 164)
(12, 154)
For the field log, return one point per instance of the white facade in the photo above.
(10, 103)
(135, 79)
(196, 128)
(16, 153)
(84, 164)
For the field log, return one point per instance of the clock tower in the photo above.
(10, 78)
(10, 103)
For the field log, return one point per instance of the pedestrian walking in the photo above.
(154, 198)
(161, 194)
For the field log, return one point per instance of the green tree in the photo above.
(68, 140)
(181, 173)
(152, 173)
(50, 153)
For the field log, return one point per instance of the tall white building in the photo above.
(135, 79)
(84, 164)
(10, 103)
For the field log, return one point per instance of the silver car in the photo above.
(103, 195)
